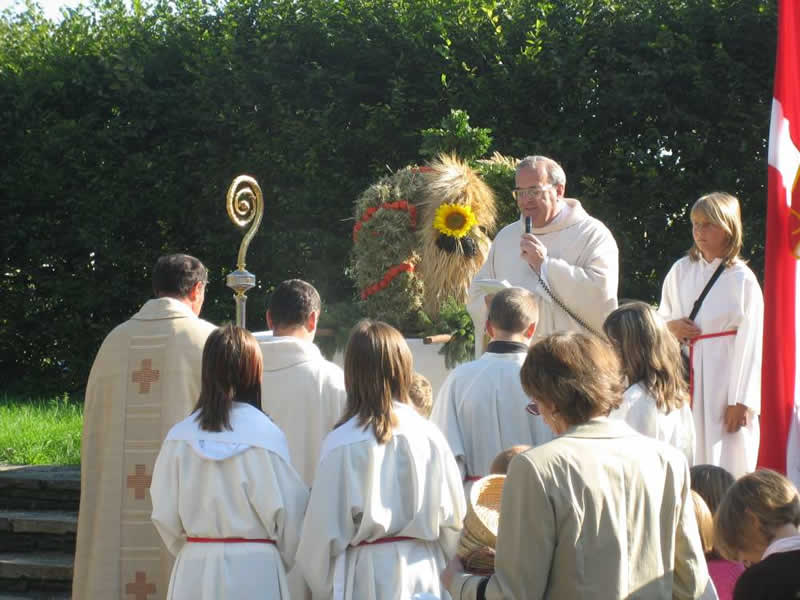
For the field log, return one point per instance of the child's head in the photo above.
(711, 482)
(513, 312)
(754, 508)
(502, 460)
(421, 394)
(705, 523)
(377, 371)
(649, 353)
(720, 210)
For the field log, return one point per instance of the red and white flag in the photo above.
(780, 375)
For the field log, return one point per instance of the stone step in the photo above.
(40, 487)
(38, 531)
(41, 573)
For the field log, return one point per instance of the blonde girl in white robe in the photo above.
(387, 504)
(725, 336)
(656, 401)
(226, 500)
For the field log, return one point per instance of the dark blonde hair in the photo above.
(711, 482)
(764, 497)
(421, 394)
(705, 523)
(377, 370)
(723, 210)
(231, 372)
(513, 310)
(649, 353)
(576, 373)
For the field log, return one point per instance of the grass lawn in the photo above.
(40, 431)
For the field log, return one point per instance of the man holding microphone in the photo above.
(566, 257)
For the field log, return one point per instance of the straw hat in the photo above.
(483, 517)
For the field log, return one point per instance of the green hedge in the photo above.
(120, 131)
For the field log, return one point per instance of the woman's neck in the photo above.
(785, 531)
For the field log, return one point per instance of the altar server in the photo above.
(481, 406)
(724, 339)
(387, 504)
(145, 378)
(656, 400)
(226, 499)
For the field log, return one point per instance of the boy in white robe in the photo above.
(226, 500)
(481, 406)
(301, 391)
(145, 378)
(572, 252)
(725, 336)
(387, 505)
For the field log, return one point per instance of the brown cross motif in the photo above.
(140, 588)
(145, 376)
(139, 482)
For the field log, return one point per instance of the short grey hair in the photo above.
(555, 173)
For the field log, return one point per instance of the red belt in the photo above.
(230, 540)
(692, 342)
(387, 540)
(472, 478)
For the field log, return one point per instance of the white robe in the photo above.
(727, 370)
(304, 394)
(228, 484)
(638, 409)
(481, 411)
(365, 491)
(581, 268)
(145, 378)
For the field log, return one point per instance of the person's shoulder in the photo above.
(777, 576)
(743, 272)
(512, 230)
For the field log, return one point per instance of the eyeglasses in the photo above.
(533, 408)
(535, 192)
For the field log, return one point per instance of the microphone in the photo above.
(528, 224)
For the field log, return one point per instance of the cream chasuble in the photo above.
(145, 378)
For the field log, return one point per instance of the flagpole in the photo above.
(245, 206)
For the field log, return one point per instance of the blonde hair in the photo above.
(705, 523)
(502, 460)
(576, 373)
(764, 497)
(723, 210)
(421, 394)
(378, 367)
(649, 353)
(513, 310)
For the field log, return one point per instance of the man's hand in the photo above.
(683, 329)
(736, 417)
(454, 567)
(532, 251)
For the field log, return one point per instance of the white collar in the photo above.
(787, 544)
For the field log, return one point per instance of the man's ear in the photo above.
(490, 329)
(311, 322)
(561, 189)
(195, 291)
(530, 330)
(270, 324)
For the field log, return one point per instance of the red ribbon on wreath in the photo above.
(390, 274)
(398, 205)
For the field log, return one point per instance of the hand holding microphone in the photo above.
(531, 249)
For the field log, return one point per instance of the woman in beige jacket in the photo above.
(599, 512)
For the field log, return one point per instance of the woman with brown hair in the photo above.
(599, 512)
(721, 335)
(226, 500)
(387, 504)
(758, 524)
(656, 401)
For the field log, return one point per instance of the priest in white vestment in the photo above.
(725, 336)
(145, 378)
(568, 255)
(301, 391)
(226, 500)
(481, 406)
(387, 505)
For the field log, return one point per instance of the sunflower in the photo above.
(454, 220)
